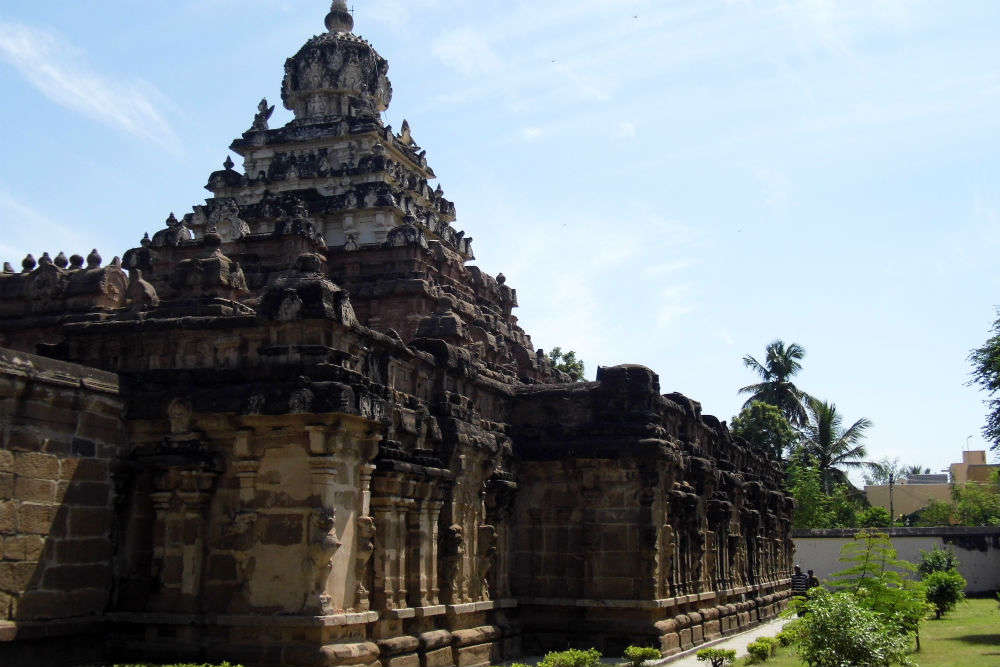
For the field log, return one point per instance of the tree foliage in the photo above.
(776, 387)
(976, 504)
(805, 485)
(567, 363)
(833, 446)
(986, 375)
(937, 513)
(718, 657)
(944, 590)
(814, 508)
(878, 579)
(765, 427)
(937, 560)
(640, 654)
(571, 658)
(837, 629)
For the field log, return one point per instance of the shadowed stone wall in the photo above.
(62, 434)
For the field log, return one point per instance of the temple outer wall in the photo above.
(61, 433)
(978, 551)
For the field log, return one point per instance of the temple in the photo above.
(296, 427)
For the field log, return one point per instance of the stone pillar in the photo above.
(247, 465)
(366, 529)
(434, 587)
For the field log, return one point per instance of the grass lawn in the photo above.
(969, 636)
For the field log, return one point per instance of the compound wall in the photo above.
(978, 551)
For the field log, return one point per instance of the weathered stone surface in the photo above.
(302, 421)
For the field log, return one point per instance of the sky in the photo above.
(671, 183)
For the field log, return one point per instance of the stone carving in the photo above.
(366, 547)
(323, 543)
(487, 557)
(179, 414)
(380, 378)
(263, 115)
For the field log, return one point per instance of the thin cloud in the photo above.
(55, 68)
(23, 226)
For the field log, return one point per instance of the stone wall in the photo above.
(61, 437)
(978, 551)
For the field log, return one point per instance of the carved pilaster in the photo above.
(366, 529)
(247, 465)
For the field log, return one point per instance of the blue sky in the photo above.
(668, 183)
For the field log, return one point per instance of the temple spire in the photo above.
(339, 19)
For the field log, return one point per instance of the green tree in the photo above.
(937, 513)
(944, 590)
(567, 363)
(879, 581)
(976, 504)
(874, 517)
(830, 444)
(765, 427)
(937, 560)
(805, 485)
(776, 387)
(872, 559)
(845, 507)
(986, 374)
(910, 470)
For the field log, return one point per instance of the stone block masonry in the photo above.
(319, 436)
(62, 430)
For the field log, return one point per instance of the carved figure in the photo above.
(179, 414)
(366, 547)
(487, 557)
(263, 115)
(323, 543)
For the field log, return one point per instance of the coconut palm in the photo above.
(776, 387)
(909, 471)
(833, 446)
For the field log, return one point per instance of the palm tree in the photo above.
(776, 387)
(909, 471)
(833, 446)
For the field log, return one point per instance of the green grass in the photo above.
(969, 636)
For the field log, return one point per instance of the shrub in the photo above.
(874, 517)
(571, 658)
(839, 630)
(784, 638)
(719, 657)
(640, 654)
(944, 590)
(772, 642)
(758, 650)
(937, 560)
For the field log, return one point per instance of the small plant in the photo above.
(784, 638)
(640, 654)
(944, 591)
(719, 657)
(937, 560)
(571, 658)
(758, 650)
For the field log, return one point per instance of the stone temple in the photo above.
(297, 427)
